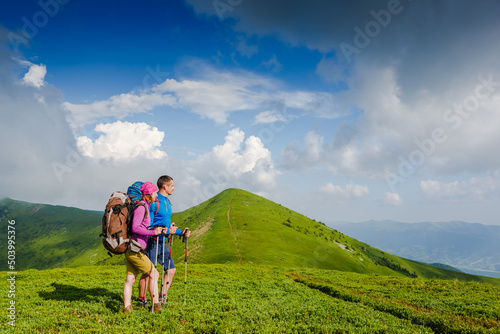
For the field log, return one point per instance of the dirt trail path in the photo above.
(238, 253)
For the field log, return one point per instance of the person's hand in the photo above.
(159, 230)
(186, 232)
(173, 228)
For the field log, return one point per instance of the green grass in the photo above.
(253, 299)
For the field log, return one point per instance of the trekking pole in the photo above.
(155, 286)
(185, 240)
(162, 267)
(171, 242)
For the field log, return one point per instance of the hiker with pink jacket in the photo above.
(137, 260)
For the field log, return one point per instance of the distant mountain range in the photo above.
(471, 248)
(234, 226)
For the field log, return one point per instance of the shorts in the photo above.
(137, 263)
(151, 252)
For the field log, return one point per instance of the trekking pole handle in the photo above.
(183, 235)
(161, 231)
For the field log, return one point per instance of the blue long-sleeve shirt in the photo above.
(163, 215)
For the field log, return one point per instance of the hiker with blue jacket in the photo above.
(162, 218)
(137, 260)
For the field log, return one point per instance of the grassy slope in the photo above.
(233, 298)
(49, 236)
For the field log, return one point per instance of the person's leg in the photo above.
(153, 282)
(143, 287)
(127, 290)
(170, 274)
(144, 280)
(136, 263)
(153, 290)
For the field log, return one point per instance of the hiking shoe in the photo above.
(128, 309)
(164, 299)
(143, 303)
(157, 307)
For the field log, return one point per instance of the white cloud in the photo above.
(475, 189)
(214, 95)
(123, 142)
(118, 106)
(238, 162)
(350, 191)
(212, 99)
(392, 199)
(269, 116)
(35, 76)
(317, 104)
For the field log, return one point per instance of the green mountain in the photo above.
(233, 227)
(48, 236)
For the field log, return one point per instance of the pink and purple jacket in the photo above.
(140, 225)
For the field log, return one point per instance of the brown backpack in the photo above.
(117, 222)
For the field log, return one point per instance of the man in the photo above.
(161, 219)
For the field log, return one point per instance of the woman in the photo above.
(137, 260)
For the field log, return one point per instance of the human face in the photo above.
(155, 195)
(169, 187)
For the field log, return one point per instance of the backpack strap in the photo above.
(155, 206)
(146, 210)
(132, 207)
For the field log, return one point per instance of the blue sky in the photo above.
(341, 111)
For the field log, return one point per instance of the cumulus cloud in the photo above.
(350, 191)
(239, 162)
(35, 76)
(123, 142)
